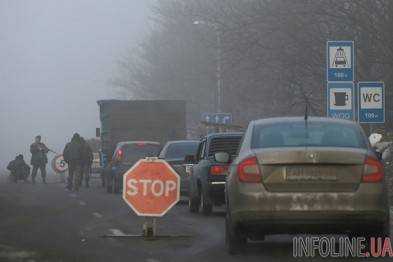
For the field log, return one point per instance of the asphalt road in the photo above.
(46, 223)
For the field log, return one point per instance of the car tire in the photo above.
(206, 207)
(109, 185)
(103, 183)
(382, 231)
(116, 186)
(234, 241)
(193, 204)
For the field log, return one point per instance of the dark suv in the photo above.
(208, 175)
(125, 156)
(174, 152)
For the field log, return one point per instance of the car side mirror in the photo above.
(190, 159)
(222, 157)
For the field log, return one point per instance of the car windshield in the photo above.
(318, 134)
(134, 152)
(180, 150)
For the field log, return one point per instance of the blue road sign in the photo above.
(340, 100)
(340, 61)
(217, 118)
(371, 102)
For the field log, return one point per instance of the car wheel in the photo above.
(193, 204)
(382, 231)
(206, 207)
(109, 185)
(116, 185)
(103, 183)
(234, 241)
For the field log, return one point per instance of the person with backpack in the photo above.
(72, 154)
(19, 169)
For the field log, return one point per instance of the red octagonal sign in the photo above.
(151, 187)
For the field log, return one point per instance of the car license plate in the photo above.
(188, 169)
(303, 173)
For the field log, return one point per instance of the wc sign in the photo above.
(371, 102)
(340, 100)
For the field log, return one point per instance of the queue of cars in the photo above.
(283, 175)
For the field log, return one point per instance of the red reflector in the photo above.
(119, 155)
(248, 171)
(373, 170)
(218, 170)
(140, 144)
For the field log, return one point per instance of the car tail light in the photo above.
(248, 170)
(140, 144)
(218, 170)
(373, 170)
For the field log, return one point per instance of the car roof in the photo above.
(181, 141)
(137, 142)
(297, 119)
(214, 135)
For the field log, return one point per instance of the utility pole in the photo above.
(219, 90)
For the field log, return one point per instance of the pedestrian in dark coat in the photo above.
(73, 156)
(87, 161)
(39, 159)
(19, 169)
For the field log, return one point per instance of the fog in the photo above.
(56, 60)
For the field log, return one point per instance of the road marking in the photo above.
(116, 232)
(97, 215)
(82, 203)
(73, 195)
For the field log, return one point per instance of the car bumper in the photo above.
(293, 212)
(216, 190)
(310, 222)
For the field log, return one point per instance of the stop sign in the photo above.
(58, 164)
(151, 187)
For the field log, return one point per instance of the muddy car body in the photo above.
(305, 176)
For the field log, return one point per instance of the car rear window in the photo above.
(228, 144)
(318, 134)
(134, 152)
(180, 150)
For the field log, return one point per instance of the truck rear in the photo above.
(139, 120)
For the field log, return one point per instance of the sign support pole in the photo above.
(149, 229)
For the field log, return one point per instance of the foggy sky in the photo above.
(56, 59)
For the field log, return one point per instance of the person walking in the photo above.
(87, 161)
(72, 154)
(39, 159)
